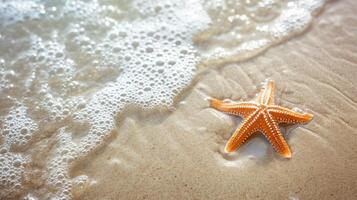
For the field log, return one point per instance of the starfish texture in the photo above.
(262, 116)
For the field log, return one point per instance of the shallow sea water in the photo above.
(106, 99)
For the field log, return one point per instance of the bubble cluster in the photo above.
(18, 129)
(12, 170)
(292, 21)
(18, 11)
(4, 76)
(47, 58)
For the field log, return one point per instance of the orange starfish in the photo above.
(262, 116)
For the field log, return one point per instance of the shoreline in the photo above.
(179, 155)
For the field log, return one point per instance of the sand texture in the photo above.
(179, 154)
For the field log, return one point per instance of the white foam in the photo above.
(18, 128)
(18, 11)
(17, 131)
(241, 30)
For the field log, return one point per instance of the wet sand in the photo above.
(179, 154)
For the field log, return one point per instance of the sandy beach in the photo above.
(81, 83)
(179, 154)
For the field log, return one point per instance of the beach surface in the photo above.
(178, 154)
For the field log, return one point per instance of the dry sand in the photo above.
(178, 154)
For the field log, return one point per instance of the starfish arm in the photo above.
(270, 130)
(246, 129)
(284, 115)
(243, 109)
(266, 95)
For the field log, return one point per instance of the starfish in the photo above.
(262, 116)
